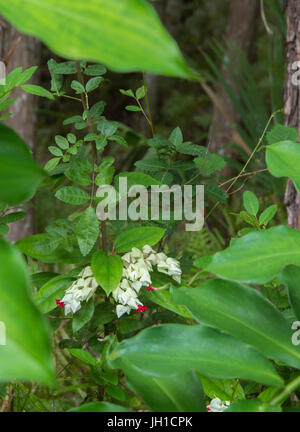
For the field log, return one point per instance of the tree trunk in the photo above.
(20, 50)
(292, 100)
(239, 30)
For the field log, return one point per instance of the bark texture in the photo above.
(292, 100)
(20, 50)
(238, 33)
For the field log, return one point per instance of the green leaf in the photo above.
(96, 69)
(51, 164)
(26, 75)
(55, 151)
(83, 316)
(268, 214)
(141, 92)
(163, 298)
(4, 229)
(56, 80)
(72, 195)
(170, 349)
(28, 246)
(87, 230)
(258, 257)
(37, 90)
(137, 43)
(203, 262)
(27, 353)
(104, 313)
(77, 176)
(73, 119)
(133, 108)
(105, 176)
(100, 407)
(136, 178)
(291, 277)
(226, 390)
(97, 109)
(209, 163)
(53, 289)
(107, 128)
(93, 83)
(118, 139)
(281, 133)
(65, 68)
(252, 405)
(243, 313)
(180, 393)
(62, 142)
(19, 174)
(138, 237)
(107, 270)
(83, 355)
(71, 138)
(283, 159)
(13, 217)
(251, 203)
(115, 392)
(151, 164)
(176, 137)
(39, 279)
(78, 87)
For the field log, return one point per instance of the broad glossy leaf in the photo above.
(180, 393)
(243, 313)
(39, 279)
(99, 407)
(52, 290)
(170, 349)
(138, 237)
(281, 133)
(27, 245)
(19, 174)
(258, 257)
(291, 277)
(163, 298)
(126, 35)
(107, 270)
(27, 353)
(283, 160)
(87, 230)
(253, 405)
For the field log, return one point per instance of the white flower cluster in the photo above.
(216, 405)
(81, 289)
(138, 264)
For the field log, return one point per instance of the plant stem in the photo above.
(85, 104)
(148, 104)
(290, 388)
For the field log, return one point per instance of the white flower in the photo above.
(137, 266)
(121, 310)
(216, 405)
(81, 290)
(71, 302)
(125, 296)
(169, 266)
(147, 250)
